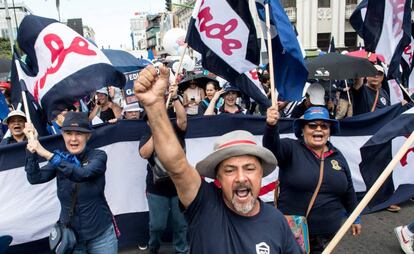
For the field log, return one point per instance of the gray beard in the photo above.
(243, 208)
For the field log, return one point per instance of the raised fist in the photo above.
(150, 86)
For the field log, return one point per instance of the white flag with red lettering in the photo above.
(61, 66)
(223, 32)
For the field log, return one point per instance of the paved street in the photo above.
(377, 235)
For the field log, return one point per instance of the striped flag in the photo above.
(379, 150)
(223, 32)
(385, 26)
(61, 66)
(289, 67)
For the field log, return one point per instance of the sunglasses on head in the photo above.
(313, 125)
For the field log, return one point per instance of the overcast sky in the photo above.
(109, 19)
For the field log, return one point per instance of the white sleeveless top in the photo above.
(193, 93)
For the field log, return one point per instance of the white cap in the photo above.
(379, 68)
(103, 90)
(316, 94)
(14, 113)
(132, 107)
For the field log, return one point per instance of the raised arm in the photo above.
(179, 108)
(149, 89)
(213, 102)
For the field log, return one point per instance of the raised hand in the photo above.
(30, 131)
(217, 94)
(272, 115)
(150, 87)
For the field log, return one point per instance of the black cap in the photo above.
(76, 121)
(231, 88)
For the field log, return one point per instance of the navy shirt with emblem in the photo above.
(364, 99)
(214, 228)
(299, 169)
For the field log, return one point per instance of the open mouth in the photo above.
(17, 129)
(242, 193)
(74, 146)
(317, 137)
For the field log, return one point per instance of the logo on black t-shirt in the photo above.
(383, 101)
(262, 248)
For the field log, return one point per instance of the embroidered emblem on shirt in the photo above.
(335, 165)
(383, 101)
(262, 248)
(85, 163)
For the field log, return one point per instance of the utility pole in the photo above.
(58, 8)
(9, 26)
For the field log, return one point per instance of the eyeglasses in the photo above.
(314, 126)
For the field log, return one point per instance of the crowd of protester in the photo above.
(334, 100)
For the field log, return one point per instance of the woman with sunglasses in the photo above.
(299, 170)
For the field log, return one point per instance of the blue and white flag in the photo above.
(290, 71)
(385, 26)
(4, 108)
(223, 32)
(407, 64)
(249, 84)
(61, 66)
(18, 86)
(379, 150)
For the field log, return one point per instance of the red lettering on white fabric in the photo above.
(218, 31)
(58, 52)
(403, 160)
(253, 74)
(397, 15)
(408, 53)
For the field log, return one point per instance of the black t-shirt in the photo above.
(202, 107)
(166, 187)
(364, 99)
(107, 115)
(214, 228)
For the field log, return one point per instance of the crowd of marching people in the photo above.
(315, 180)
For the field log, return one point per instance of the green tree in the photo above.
(5, 52)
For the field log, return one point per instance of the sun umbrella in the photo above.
(124, 61)
(334, 66)
(200, 79)
(363, 54)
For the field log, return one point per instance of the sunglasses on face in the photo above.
(314, 126)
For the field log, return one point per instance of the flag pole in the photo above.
(26, 107)
(406, 92)
(347, 92)
(370, 194)
(273, 92)
(176, 75)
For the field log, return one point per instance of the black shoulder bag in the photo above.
(62, 239)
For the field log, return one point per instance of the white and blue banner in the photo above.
(27, 212)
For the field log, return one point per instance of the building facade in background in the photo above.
(17, 12)
(138, 26)
(153, 32)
